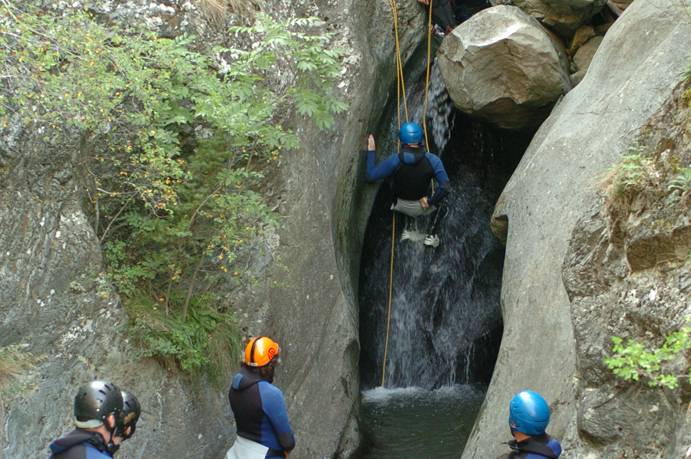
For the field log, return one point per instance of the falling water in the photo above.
(446, 320)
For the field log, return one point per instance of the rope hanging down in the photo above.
(400, 92)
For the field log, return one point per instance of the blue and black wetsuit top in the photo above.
(411, 171)
(79, 444)
(260, 413)
(534, 448)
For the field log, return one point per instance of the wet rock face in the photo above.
(631, 277)
(502, 66)
(633, 74)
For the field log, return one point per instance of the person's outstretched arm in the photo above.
(441, 177)
(384, 169)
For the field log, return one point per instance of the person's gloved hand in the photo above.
(370, 143)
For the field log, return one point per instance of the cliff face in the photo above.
(631, 77)
(55, 305)
(627, 273)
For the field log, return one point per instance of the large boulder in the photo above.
(502, 66)
(562, 16)
(631, 76)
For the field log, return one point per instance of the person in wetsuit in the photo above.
(97, 413)
(411, 172)
(259, 408)
(528, 419)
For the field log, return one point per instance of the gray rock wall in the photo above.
(632, 74)
(628, 273)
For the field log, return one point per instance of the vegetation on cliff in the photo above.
(172, 143)
(648, 193)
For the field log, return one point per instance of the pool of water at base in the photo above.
(418, 423)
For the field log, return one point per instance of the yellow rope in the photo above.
(388, 315)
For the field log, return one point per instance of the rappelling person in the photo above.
(528, 419)
(411, 172)
(97, 413)
(263, 429)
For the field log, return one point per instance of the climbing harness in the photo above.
(400, 91)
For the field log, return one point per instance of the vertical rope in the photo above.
(388, 307)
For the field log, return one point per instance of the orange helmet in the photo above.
(260, 351)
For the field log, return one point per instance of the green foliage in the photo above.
(634, 172)
(681, 182)
(653, 178)
(204, 342)
(633, 361)
(176, 144)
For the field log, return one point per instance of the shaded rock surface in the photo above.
(502, 66)
(51, 299)
(632, 75)
(562, 16)
(628, 274)
(583, 57)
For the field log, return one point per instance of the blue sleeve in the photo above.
(383, 170)
(554, 444)
(93, 453)
(441, 177)
(275, 409)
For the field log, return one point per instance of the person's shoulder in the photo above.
(432, 156)
(267, 388)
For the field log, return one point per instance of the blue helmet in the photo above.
(528, 413)
(410, 133)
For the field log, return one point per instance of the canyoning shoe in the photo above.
(432, 240)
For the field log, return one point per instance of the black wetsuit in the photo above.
(534, 448)
(80, 444)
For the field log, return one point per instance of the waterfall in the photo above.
(445, 300)
(439, 109)
(446, 317)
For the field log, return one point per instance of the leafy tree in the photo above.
(633, 361)
(175, 144)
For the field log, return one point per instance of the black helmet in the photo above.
(131, 410)
(95, 402)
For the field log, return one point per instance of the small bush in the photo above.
(635, 362)
(206, 342)
(653, 180)
(632, 174)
